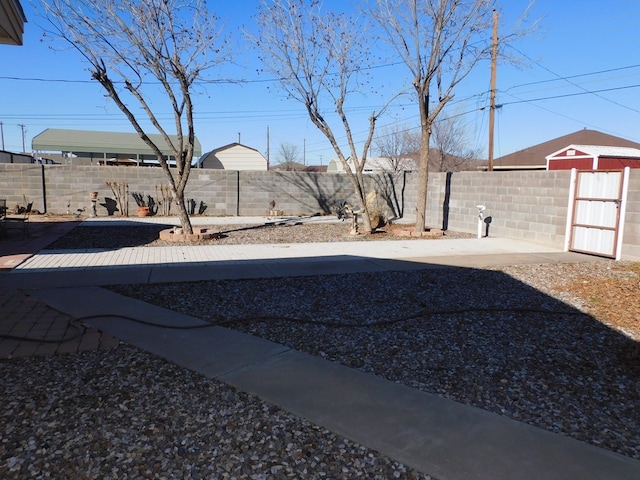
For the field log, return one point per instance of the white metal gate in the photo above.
(596, 212)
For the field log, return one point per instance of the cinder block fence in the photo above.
(528, 205)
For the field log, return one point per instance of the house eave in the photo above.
(12, 20)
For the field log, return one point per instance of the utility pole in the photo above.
(22, 126)
(2, 133)
(492, 107)
(268, 161)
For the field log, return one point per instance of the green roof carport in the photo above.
(61, 140)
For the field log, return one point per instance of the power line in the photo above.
(268, 114)
(570, 77)
(587, 92)
(541, 107)
(116, 82)
(242, 81)
(568, 80)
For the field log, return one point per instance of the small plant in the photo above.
(120, 191)
(272, 210)
(146, 204)
(342, 210)
(163, 192)
(140, 199)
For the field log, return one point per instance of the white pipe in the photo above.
(481, 209)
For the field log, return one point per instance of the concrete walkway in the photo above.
(437, 436)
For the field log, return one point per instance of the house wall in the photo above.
(531, 205)
(617, 163)
(568, 164)
(601, 163)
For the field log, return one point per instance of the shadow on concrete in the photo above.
(479, 337)
(15, 246)
(109, 235)
(540, 359)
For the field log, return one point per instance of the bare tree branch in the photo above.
(449, 150)
(400, 146)
(318, 56)
(289, 155)
(138, 45)
(440, 42)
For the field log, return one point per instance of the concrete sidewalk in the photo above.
(64, 268)
(434, 435)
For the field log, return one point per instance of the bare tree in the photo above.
(399, 145)
(440, 42)
(135, 48)
(449, 152)
(289, 155)
(318, 58)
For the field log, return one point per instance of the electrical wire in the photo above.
(72, 323)
(593, 92)
(221, 322)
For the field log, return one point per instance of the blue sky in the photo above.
(583, 72)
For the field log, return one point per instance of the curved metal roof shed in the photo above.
(92, 145)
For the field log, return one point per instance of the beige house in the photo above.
(234, 156)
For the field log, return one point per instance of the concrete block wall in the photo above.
(65, 189)
(306, 193)
(397, 194)
(528, 205)
(68, 187)
(217, 190)
(21, 184)
(631, 235)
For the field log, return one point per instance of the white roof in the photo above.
(600, 151)
(373, 164)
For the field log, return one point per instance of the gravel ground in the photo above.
(147, 235)
(555, 346)
(480, 337)
(125, 414)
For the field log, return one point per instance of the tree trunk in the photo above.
(359, 186)
(421, 207)
(423, 175)
(366, 219)
(183, 215)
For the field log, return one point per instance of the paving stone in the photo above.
(46, 349)
(7, 347)
(25, 349)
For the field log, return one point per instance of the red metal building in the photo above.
(594, 157)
